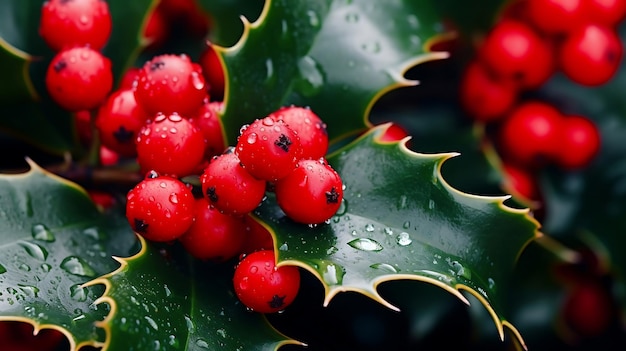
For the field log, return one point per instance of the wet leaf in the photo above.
(401, 220)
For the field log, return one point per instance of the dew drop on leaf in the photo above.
(42, 233)
(35, 251)
(152, 323)
(369, 228)
(75, 265)
(403, 239)
(30, 291)
(78, 293)
(365, 244)
(201, 343)
(384, 267)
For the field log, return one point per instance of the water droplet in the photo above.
(190, 325)
(221, 332)
(35, 251)
(385, 267)
(172, 340)
(30, 291)
(284, 247)
(431, 204)
(197, 81)
(406, 225)
(168, 292)
(75, 265)
(332, 273)
(42, 233)
(78, 293)
(365, 244)
(413, 21)
(244, 283)
(83, 19)
(202, 344)
(152, 323)
(79, 317)
(332, 250)
(403, 239)
(491, 282)
(388, 231)
(252, 138)
(352, 17)
(270, 77)
(369, 227)
(173, 198)
(371, 47)
(312, 77)
(314, 19)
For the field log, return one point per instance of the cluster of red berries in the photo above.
(79, 77)
(533, 40)
(166, 116)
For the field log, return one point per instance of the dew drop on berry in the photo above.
(168, 214)
(159, 117)
(173, 198)
(151, 199)
(85, 55)
(268, 121)
(175, 117)
(251, 138)
(244, 283)
(254, 269)
(163, 185)
(173, 130)
(197, 81)
(83, 20)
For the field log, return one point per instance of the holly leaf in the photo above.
(346, 55)
(401, 220)
(53, 241)
(226, 24)
(158, 302)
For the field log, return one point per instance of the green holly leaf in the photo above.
(53, 241)
(158, 302)
(401, 220)
(336, 57)
(226, 24)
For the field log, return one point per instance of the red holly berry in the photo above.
(160, 208)
(591, 54)
(485, 96)
(606, 12)
(520, 182)
(513, 50)
(170, 145)
(268, 149)
(129, 78)
(170, 83)
(79, 78)
(229, 187)
(213, 72)
(557, 16)
(208, 121)
(66, 23)
(119, 121)
(257, 236)
(262, 286)
(394, 132)
(108, 157)
(309, 126)
(580, 142)
(530, 134)
(214, 236)
(157, 29)
(588, 308)
(311, 193)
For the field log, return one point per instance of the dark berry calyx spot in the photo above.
(123, 135)
(211, 194)
(283, 142)
(141, 226)
(332, 196)
(59, 66)
(156, 65)
(610, 56)
(277, 301)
